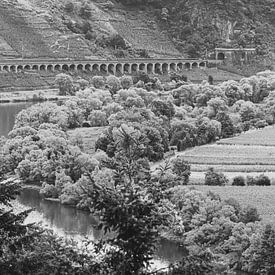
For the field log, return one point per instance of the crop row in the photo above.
(263, 137)
(233, 168)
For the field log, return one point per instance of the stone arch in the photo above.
(20, 68)
(126, 68)
(150, 68)
(134, 68)
(27, 67)
(158, 68)
(12, 68)
(103, 68)
(79, 67)
(173, 67)
(202, 65)
(57, 67)
(95, 68)
(72, 67)
(195, 65)
(119, 68)
(88, 67)
(65, 67)
(42, 67)
(111, 69)
(220, 56)
(187, 66)
(142, 67)
(34, 67)
(179, 66)
(165, 68)
(6, 68)
(50, 68)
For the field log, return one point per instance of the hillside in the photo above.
(34, 28)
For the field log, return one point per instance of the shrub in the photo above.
(97, 118)
(126, 82)
(48, 191)
(98, 81)
(65, 84)
(214, 178)
(69, 7)
(85, 11)
(238, 181)
(250, 181)
(263, 180)
(249, 214)
(113, 83)
(116, 41)
(181, 168)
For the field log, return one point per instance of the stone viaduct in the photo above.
(121, 66)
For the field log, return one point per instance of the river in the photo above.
(65, 220)
(8, 111)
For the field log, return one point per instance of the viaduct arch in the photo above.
(115, 67)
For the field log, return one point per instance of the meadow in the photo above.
(253, 151)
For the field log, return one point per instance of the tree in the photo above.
(163, 108)
(264, 262)
(227, 127)
(65, 84)
(181, 168)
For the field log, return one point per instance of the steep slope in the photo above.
(35, 28)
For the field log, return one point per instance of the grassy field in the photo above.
(253, 151)
(263, 198)
(262, 137)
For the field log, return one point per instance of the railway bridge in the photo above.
(119, 66)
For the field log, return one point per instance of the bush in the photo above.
(250, 181)
(238, 181)
(249, 214)
(263, 180)
(48, 191)
(85, 11)
(213, 178)
(113, 83)
(69, 7)
(126, 82)
(181, 168)
(65, 84)
(98, 81)
(97, 118)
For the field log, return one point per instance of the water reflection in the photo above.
(8, 111)
(70, 222)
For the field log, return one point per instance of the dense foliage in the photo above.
(197, 27)
(134, 203)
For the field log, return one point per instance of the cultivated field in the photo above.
(253, 151)
(263, 198)
(263, 137)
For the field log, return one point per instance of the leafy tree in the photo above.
(214, 178)
(126, 81)
(238, 181)
(227, 127)
(181, 168)
(65, 84)
(163, 108)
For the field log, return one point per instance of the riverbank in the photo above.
(31, 96)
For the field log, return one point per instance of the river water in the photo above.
(66, 220)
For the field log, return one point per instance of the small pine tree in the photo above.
(264, 262)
